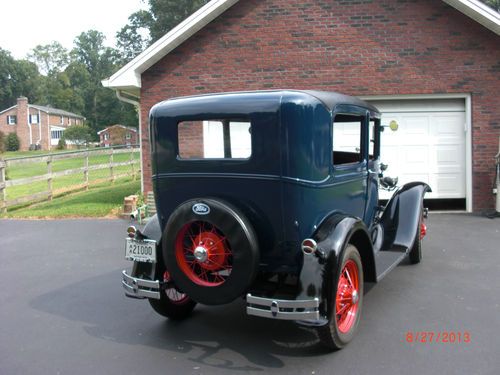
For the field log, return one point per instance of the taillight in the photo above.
(131, 230)
(309, 246)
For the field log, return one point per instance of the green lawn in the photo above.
(101, 200)
(17, 154)
(25, 170)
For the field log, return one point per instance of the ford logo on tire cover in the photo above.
(201, 209)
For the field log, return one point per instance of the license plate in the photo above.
(140, 251)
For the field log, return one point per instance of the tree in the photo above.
(495, 4)
(78, 134)
(92, 62)
(162, 16)
(18, 78)
(7, 63)
(134, 38)
(2, 142)
(50, 58)
(12, 142)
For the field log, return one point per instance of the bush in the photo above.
(61, 145)
(78, 134)
(2, 143)
(12, 142)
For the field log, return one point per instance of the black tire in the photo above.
(214, 273)
(339, 332)
(415, 255)
(172, 304)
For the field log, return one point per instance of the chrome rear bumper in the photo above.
(283, 309)
(140, 288)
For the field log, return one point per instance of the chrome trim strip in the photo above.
(283, 309)
(140, 288)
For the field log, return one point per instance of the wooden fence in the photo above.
(48, 194)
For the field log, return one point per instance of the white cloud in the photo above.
(26, 24)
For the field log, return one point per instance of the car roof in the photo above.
(329, 99)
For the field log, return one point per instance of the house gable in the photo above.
(128, 78)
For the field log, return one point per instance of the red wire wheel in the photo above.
(344, 291)
(173, 303)
(347, 298)
(203, 254)
(176, 297)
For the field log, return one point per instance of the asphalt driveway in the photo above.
(62, 311)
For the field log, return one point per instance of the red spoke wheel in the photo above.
(415, 254)
(203, 254)
(210, 250)
(344, 300)
(172, 304)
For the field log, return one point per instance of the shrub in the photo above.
(12, 142)
(78, 134)
(2, 142)
(61, 145)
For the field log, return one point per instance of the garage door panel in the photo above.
(415, 125)
(449, 185)
(429, 145)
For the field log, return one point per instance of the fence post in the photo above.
(86, 171)
(3, 198)
(132, 162)
(111, 175)
(49, 177)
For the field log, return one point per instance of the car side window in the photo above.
(347, 139)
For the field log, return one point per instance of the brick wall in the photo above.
(22, 128)
(191, 139)
(6, 128)
(366, 47)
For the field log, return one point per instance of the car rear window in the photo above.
(215, 139)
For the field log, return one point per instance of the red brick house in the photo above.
(432, 65)
(116, 135)
(37, 125)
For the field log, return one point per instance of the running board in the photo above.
(386, 261)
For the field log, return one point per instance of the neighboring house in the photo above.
(115, 135)
(37, 126)
(432, 65)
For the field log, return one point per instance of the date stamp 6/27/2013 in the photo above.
(438, 337)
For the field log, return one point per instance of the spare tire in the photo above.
(210, 250)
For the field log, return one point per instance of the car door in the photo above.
(349, 159)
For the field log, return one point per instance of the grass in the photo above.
(17, 154)
(25, 170)
(100, 201)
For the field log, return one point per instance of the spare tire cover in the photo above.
(210, 250)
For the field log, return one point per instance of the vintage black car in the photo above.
(271, 196)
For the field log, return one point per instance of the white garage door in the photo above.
(429, 145)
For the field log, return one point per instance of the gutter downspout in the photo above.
(39, 128)
(29, 126)
(136, 104)
(49, 134)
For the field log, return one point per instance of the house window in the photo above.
(56, 134)
(11, 119)
(128, 136)
(106, 136)
(34, 119)
(69, 120)
(61, 120)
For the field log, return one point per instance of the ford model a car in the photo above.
(271, 196)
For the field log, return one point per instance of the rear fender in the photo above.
(401, 216)
(320, 269)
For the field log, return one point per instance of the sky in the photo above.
(27, 23)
